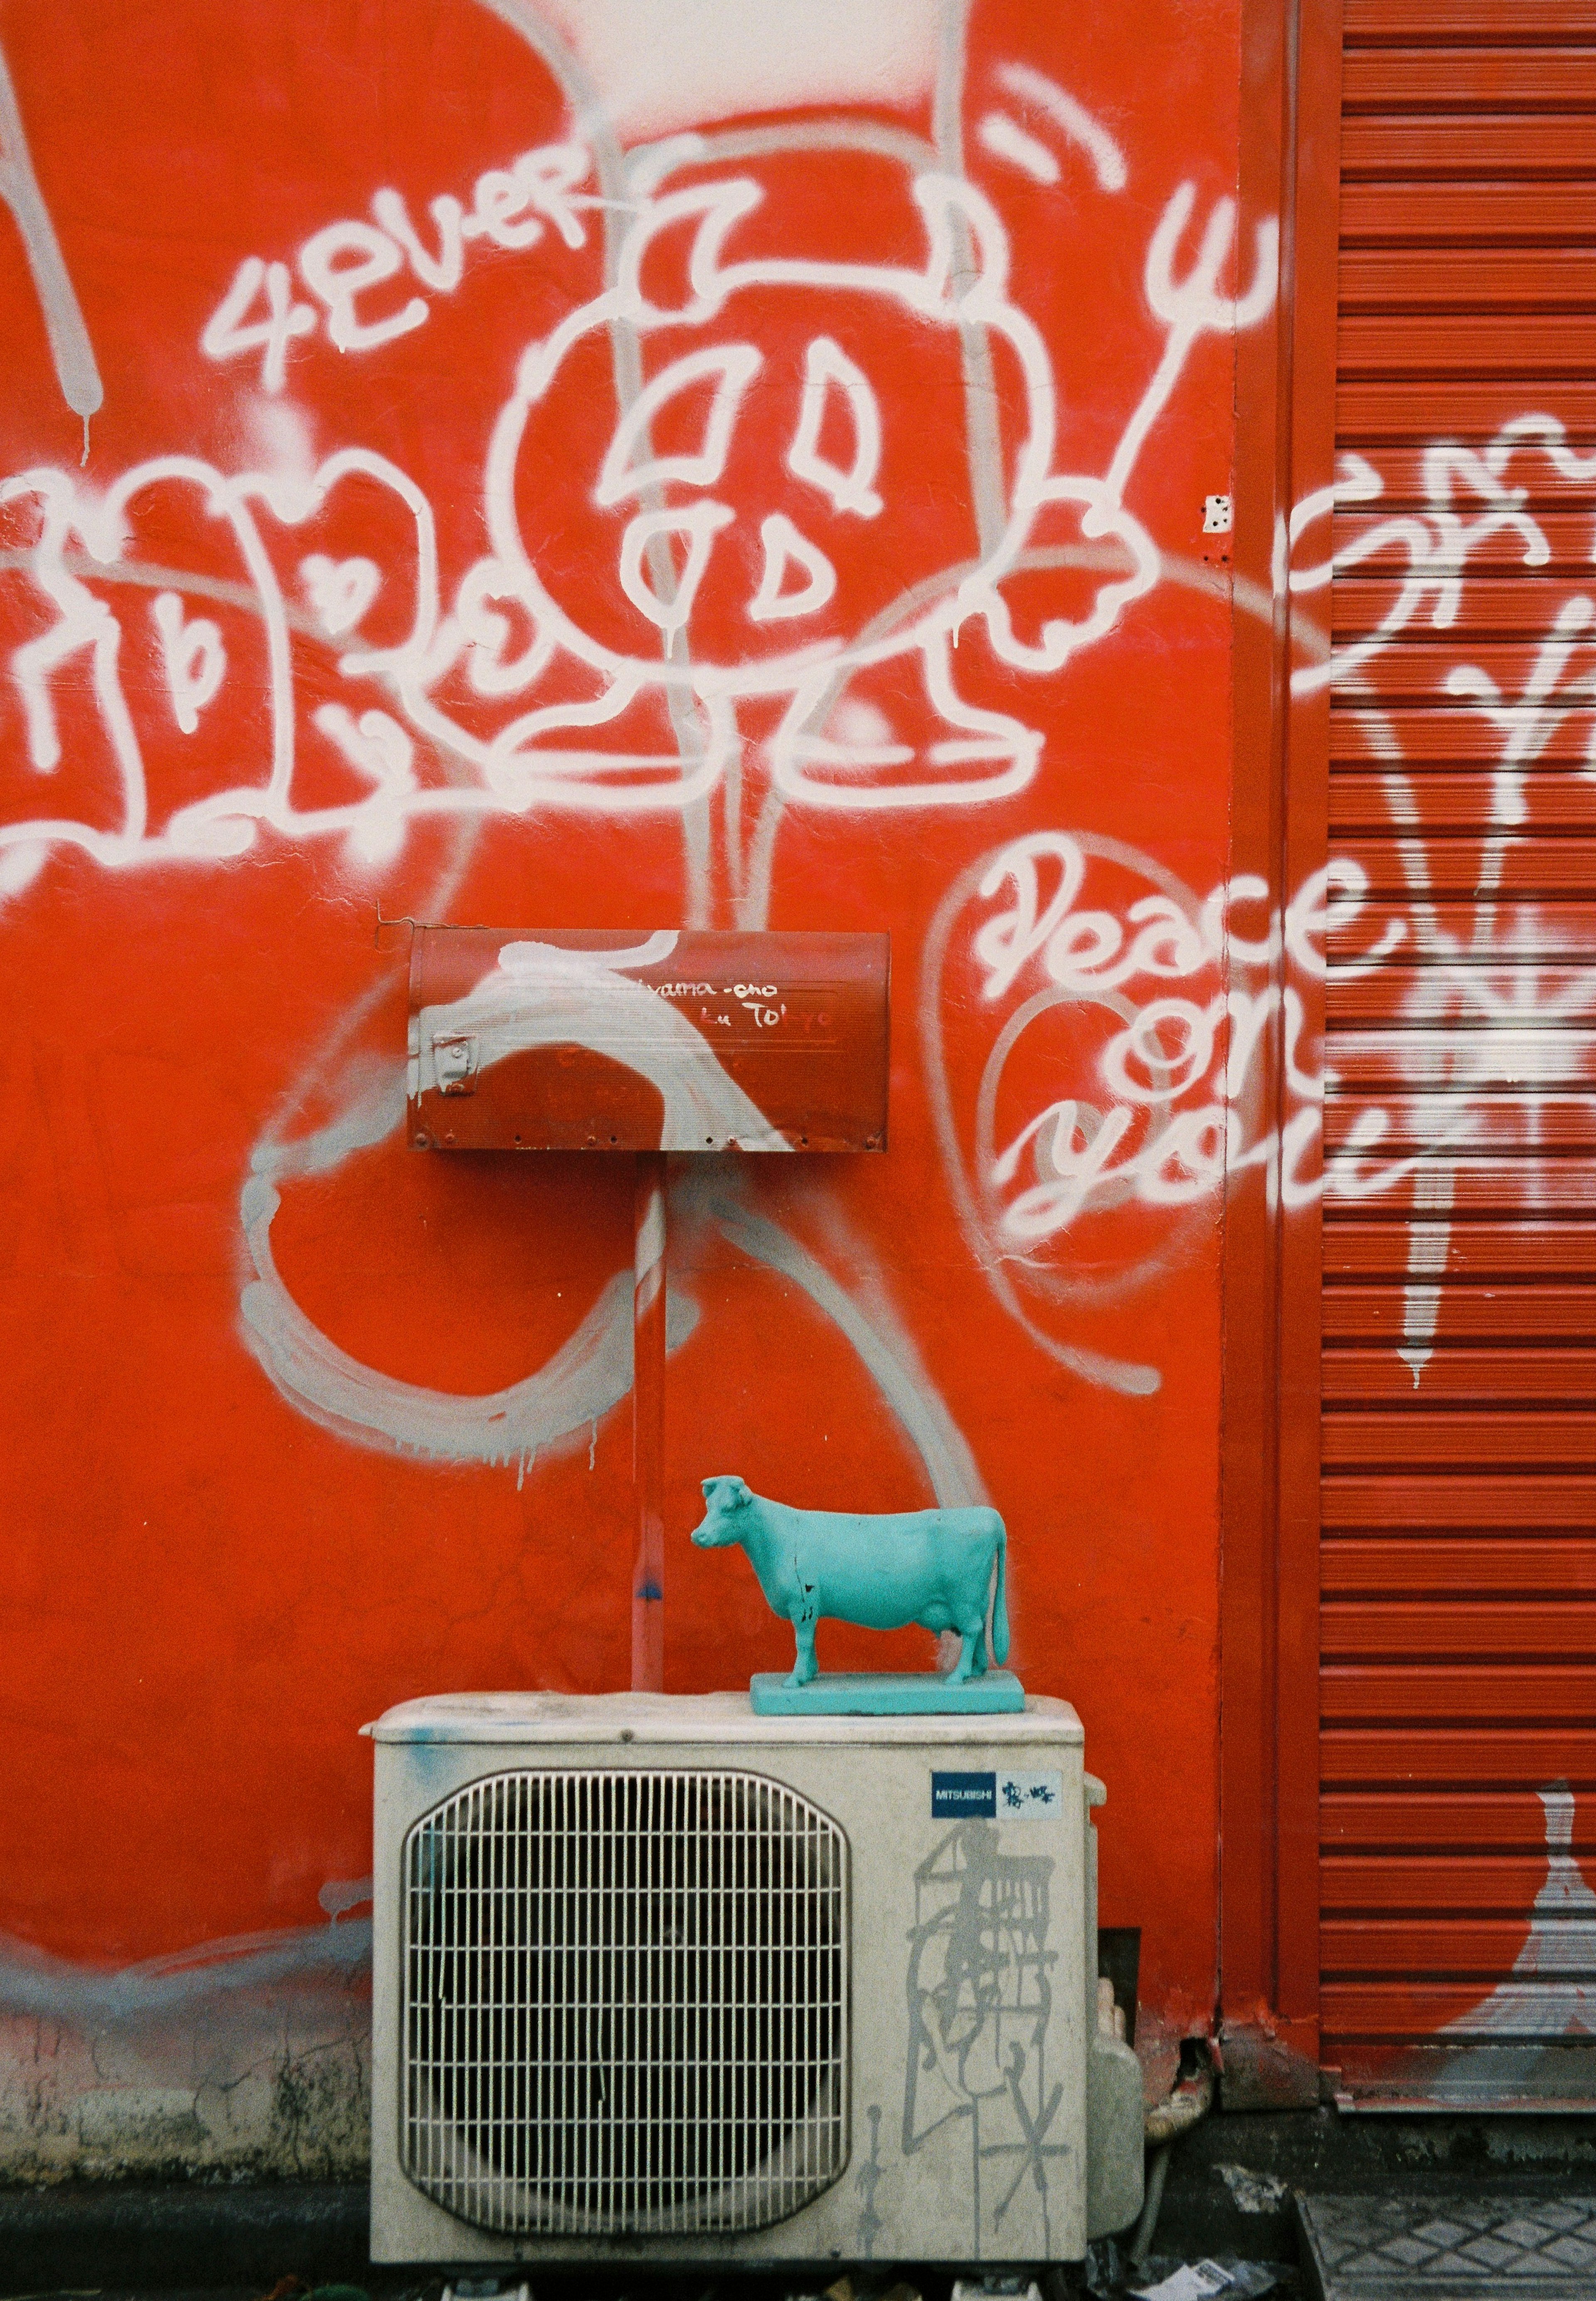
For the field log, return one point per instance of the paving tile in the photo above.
(1491, 2253)
(1397, 2248)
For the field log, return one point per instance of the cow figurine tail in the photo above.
(1000, 1600)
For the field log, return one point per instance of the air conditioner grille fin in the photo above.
(626, 2002)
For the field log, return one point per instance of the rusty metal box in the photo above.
(531, 1039)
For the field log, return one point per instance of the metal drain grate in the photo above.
(1451, 2248)
(626, 2002)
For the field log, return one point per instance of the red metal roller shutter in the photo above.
(1458, 1682)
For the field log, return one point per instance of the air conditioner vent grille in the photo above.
(626, 2002)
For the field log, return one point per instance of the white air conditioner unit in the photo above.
(660, 1980)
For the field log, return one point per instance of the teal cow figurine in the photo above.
(936, 1568)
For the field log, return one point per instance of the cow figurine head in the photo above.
(727, 1499)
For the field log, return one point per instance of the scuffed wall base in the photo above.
(1263, 2067)
(250, 2062)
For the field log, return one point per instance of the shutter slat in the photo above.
(1482, 608)
(1373, 212)
(1388, 2014)
(1450, 1373)
(1506, 1757)
(1446, 1566)
(1535, 348)
(1412, 21)
(1554, 802)
(1471, 1314)
(1464, 1054)
(1361, 1502)
(1419, 1694)
(1549, 932)
(1456, 1125)
(1457, 1822)
(1367, 2014)
(1407, 1628)
(1378, 147)
(1474, 1249)
(1475, 279)
(1443, 76)
(1428, 1950)
(1456, 1441)
(1416, 410)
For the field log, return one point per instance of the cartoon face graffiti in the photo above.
(706, 480)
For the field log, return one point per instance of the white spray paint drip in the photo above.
(648, 1255)
(1549, 1992)
(76, 370)
(1073, 118)
(1429, 1243)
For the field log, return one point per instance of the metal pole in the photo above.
(649, 1424)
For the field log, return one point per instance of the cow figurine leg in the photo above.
(804, 1665)
(972, 1658)
(806, 1613)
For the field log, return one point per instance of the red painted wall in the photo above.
(235, 728)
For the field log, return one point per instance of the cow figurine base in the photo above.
(885, 1694)
(942, 1568)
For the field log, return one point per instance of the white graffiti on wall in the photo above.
(510, 209)
(1175, 1071)
(1549, 1992)
(419, 727)
(1156, 1007)
(1129, 1025)
(464, 707)
(1496, 1016)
